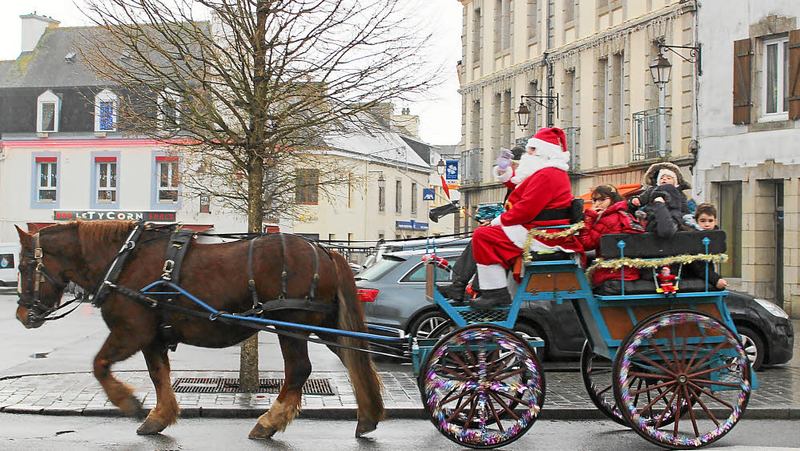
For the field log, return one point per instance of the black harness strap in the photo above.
(312, 290)
(284, 273)
(176, 249)
(251, 282)
(116, 267)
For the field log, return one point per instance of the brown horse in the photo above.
(217, 273)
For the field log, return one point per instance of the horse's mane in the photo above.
(101, 231)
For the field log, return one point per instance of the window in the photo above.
(48, 110)
(168, 179)
(730, 220)
(569, 11)
(307, 186)
(568, 104)
(381, 198)
(105, 111)
(617, 100)
(398, 196)
(502, 25)
(776, 76)
(169, 114)
(47, 179)
(533, 19)
(413, 198)
(105, 169)
(205, 203)
(418, 274)
(477, 35)
(602, 98)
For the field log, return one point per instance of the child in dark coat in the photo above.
(663, 205)
(706, 216)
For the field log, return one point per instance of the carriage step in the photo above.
(231, 385)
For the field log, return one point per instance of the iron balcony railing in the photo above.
(573, 146)
(473, 164)
(647, 134)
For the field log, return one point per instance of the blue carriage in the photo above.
(668, 365)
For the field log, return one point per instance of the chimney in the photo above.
(33, 27)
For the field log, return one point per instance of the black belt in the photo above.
(554, 215)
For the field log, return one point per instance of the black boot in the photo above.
(492, 298)
(454, 291)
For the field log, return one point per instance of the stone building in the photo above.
(595, 57)
(749, 159)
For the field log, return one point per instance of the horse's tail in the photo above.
(367, 384)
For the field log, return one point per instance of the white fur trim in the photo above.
(496, 221)
(518, 234)
(492, 277)
(555, 155)
(666, 171)
(506, 175)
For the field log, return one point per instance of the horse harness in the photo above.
(178, 245)
(38, 310)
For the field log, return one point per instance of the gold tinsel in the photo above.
(618, 263)
(537, 233)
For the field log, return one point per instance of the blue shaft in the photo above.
(267, 322)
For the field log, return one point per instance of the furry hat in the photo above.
(651, 175)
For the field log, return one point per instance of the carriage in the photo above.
(668, 365)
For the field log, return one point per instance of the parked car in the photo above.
(9, 253)
(394, 293)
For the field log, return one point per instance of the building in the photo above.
(588, 65)
(748, 161)
(65, 154)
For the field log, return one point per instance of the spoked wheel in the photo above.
(696, 364)
(482, 386)
(596, 372)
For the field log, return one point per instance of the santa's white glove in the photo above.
(503, 175)
(496, 222)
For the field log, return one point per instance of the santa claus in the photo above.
(542, 199)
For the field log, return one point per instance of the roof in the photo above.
(380, 145)
(45, 66)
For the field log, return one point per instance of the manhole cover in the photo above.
(231, 385)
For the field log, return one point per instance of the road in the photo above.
(35, 432)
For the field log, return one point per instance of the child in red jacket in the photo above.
(609, 214)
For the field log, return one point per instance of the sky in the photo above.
(439, 109)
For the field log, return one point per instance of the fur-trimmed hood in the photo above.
(650, 176)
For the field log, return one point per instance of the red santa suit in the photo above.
(496, 247)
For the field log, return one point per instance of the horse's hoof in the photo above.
(365, 427)
(261, 433)
(132, 407)
(151, 427)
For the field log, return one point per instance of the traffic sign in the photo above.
(428, 194)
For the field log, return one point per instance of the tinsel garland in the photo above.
(618, 263)
(537, 233)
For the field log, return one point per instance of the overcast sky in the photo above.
(440, 111)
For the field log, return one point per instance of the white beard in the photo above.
(528, 165)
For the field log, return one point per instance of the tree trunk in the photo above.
(248, 357)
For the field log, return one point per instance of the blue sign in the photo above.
(428, 194)
(411, 225)
(451, 170)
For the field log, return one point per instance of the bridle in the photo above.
(30, 299)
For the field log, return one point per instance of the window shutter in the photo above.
(742, 80)
(794, 75)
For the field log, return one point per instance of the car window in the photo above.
(418, 274)
(379, 268)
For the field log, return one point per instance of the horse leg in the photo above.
(116, 349)
(297, 368)
(166, 411)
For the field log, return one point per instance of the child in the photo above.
(706, 216)
(663, 203)
(608, 215)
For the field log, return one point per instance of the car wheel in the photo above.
(526, 331)
(430, 325)
(753, 346)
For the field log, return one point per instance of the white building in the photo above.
(749, 160)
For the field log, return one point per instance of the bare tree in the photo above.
(249, 91)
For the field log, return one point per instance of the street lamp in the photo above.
(661, 69)
(440, 167)
(523, 115)
(381, 181)
(523, 112)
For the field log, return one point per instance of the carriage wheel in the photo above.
(596, 372)
(482, 386)
(697, 365)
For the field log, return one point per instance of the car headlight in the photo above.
(772, 308)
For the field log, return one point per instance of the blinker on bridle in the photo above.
(38, 310)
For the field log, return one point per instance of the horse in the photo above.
(82, 251)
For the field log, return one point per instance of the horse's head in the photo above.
(41, 280)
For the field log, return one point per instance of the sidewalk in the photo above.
(778, 396)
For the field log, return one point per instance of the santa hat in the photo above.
(669, 172)
(550, 143)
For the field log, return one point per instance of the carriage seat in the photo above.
(648, 245)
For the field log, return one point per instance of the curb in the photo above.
(349, 413)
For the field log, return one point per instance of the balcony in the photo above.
(647, 134)
(573, 146)
(473, 164)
